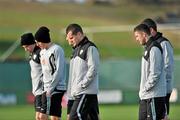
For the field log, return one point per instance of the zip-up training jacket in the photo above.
(36, 71)
(70, 97)
(168, 59)
(84, 69)
(53, 68)
(153, 82)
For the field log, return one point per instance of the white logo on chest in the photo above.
(34, 56)
(145, 53)
(81, 51)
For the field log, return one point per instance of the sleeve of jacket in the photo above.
(169, 63)
(155, 68)
(59, 66)
(93, 64)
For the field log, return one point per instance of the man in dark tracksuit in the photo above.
(167, 56)
(83, 76)
(153, 85)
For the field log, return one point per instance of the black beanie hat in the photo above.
(42, 35)
(27, 39)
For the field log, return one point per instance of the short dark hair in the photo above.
(150, 23)
(143, 28)
(75, 28)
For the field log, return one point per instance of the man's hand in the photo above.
(48, 94)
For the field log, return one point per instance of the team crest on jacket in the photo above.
(34, 56)
(43, 62)
(145, 53)
(81, 51)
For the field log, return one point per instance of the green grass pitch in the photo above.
(107, 112)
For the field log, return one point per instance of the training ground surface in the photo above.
(107, 112)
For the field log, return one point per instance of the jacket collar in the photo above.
(158, 35)
(82, 42)
(149, 42)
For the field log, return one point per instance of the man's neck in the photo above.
(48, 45)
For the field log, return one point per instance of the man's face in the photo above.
(140, 37)
(73, 40)
(153, 32)
(41, 45)
(28, 48)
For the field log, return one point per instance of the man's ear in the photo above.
(144, 34)
(79, 33)
(151, 29)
